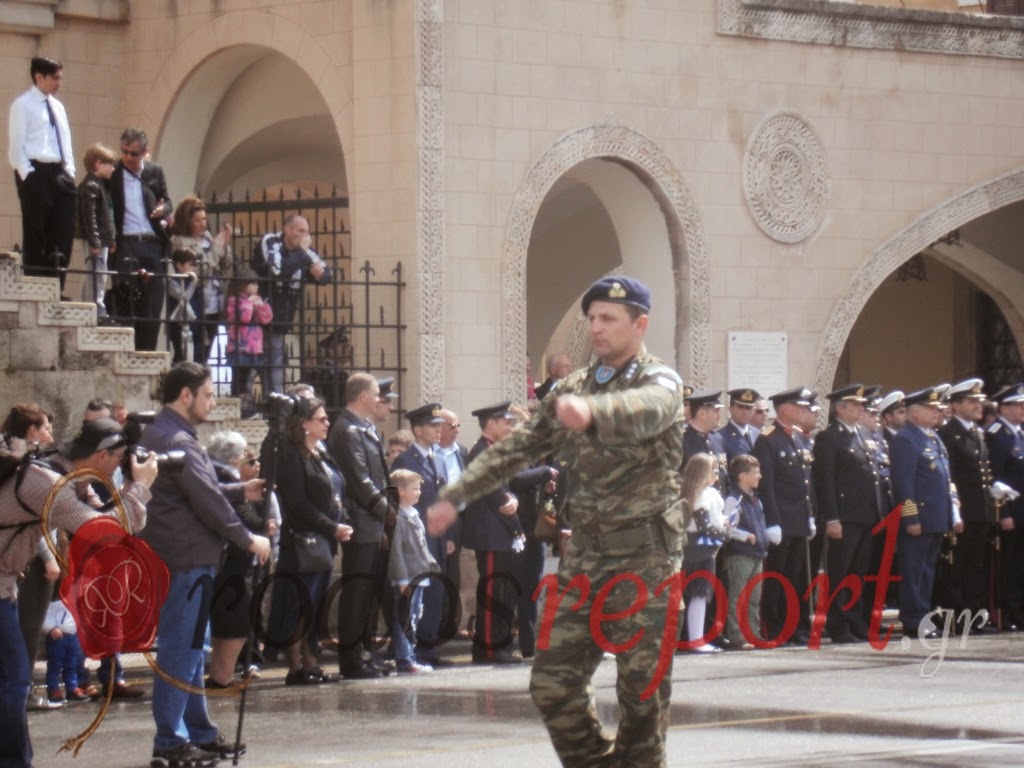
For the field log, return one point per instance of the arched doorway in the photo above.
(227, 133)
(604, 198)
(895, 328)
(253, 131)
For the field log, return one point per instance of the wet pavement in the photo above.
(908, 705)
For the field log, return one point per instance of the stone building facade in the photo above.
(767, 165)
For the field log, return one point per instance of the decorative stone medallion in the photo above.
(785, 179)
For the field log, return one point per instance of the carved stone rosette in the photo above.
(785, 179)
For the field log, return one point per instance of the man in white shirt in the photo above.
(40, 153)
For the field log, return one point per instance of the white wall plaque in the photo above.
(758, 359)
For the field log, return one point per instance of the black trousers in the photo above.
(850, 555)
(47, 220)
(789, 560)
(359, 603)
(1011, 576)
(139, 301)
(970, 568)
(531, 566)
(497, 593)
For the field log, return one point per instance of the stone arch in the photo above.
(919, 236)
(249, 28)
(689, 249)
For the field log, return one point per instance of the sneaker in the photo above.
(92, 692)
(706, 648)
(223, 747)
(77, 694)
(55, 696)
(183, 756)
(413, 668)
(37, 703)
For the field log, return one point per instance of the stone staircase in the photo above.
(53, 353)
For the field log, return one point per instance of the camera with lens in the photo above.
(172, 461)
(279, 407)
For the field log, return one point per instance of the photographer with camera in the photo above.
(190, 521)
(99, 446)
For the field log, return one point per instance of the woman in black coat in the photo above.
(310, 490)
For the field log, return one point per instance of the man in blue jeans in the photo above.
(190, 518)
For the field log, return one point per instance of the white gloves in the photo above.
(519, 543)
(1000, 491)
(814, 528)
(774, 534)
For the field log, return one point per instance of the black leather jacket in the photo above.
(94, 221)
(359, 453)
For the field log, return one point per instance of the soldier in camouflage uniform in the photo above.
(618, 427)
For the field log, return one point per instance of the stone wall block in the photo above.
(33, 351)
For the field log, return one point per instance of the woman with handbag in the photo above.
(232, 596)
(310, 490)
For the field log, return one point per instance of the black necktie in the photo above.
(56, 129)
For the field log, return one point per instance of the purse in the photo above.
(546, 527)
(312, 552)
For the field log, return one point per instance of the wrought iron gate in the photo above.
(360, 307)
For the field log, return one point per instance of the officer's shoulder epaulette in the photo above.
(768, 430)
(994, 427)
(663, 375)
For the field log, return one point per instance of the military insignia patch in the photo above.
(604, 374)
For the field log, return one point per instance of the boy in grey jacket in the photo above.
(410, 560)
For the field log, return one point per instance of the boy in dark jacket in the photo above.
(746, 549)
(95, 225)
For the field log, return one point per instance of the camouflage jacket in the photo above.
(624, 469)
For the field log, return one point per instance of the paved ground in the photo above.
(849, 705)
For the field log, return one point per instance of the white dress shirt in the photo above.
(33, 138)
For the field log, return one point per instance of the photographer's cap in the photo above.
(96, 435)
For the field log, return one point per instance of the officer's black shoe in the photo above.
(507, 657)
(800, 638)
(843, 638)
(365, 671)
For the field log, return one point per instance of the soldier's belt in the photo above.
(622, 541)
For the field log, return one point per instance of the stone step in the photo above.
(105, 339)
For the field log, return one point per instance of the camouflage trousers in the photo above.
(561, 683)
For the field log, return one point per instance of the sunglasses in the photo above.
(132, 152)
(251, 460)
(761, 410)
(322, 420)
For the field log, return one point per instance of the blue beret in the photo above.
(618, 290)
